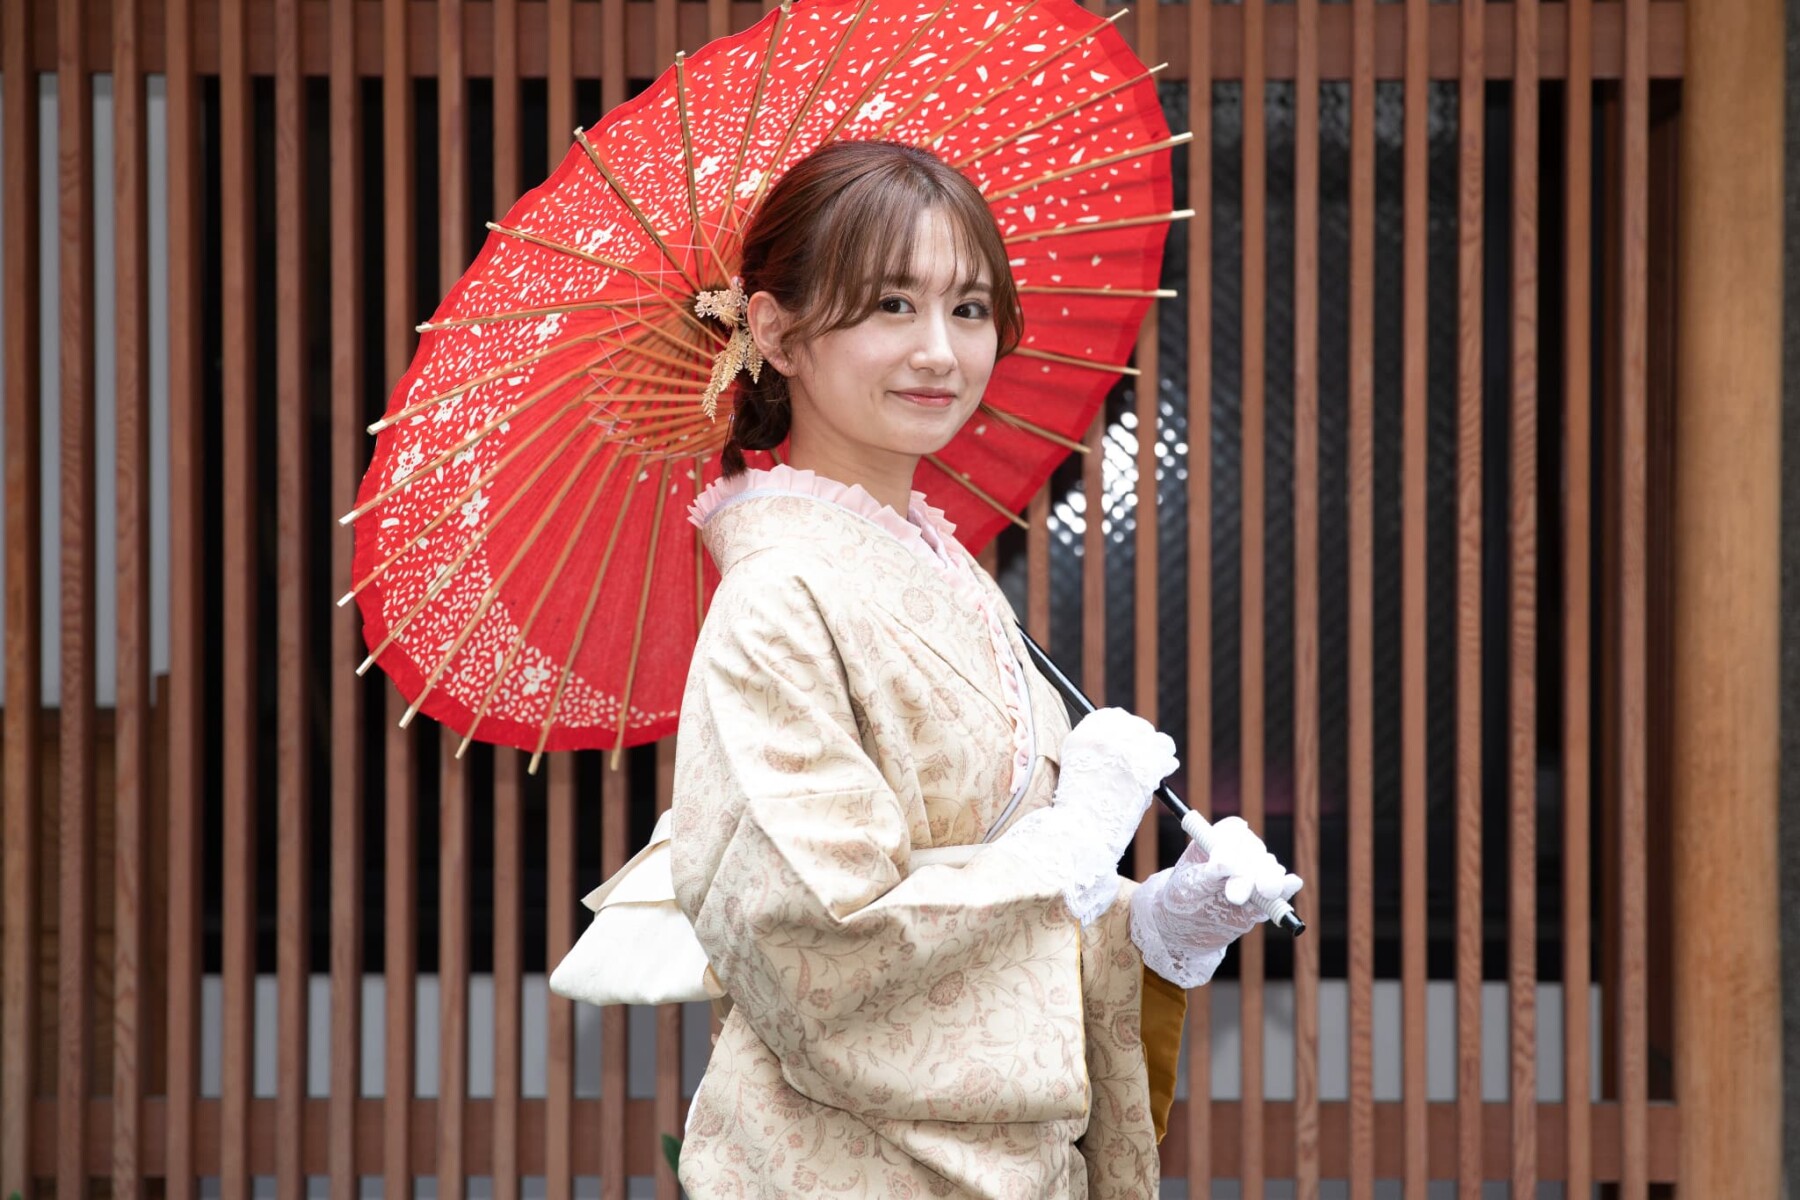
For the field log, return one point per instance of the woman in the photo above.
(1002, 1028)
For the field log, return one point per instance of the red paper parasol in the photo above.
(524, 564)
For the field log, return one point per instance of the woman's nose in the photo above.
(933, 351)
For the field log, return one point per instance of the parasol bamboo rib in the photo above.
(818, 85)
(587, 613)
(397, 486)
(675, 303)
(460, 499)
(475, 543)
(687, 155)
(1103, 161)
(975, 490)
(1019, 422)
(493, 589)
(877, 78)
(762, 80)
(614, 347)
(537, 606)
(1032, 235)
(993, 35)
(637, 631)
(1035, 68)
(1086, 101)
(631, 206)
(1051, 289)
(1069, 360)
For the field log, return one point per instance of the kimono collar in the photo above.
(924, 530)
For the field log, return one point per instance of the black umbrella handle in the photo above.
(1197, 827)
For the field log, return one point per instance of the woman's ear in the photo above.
(767, 322)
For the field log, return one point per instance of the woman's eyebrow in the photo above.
(910, 282)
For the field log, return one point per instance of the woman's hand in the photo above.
(1111, 762)
(1182, 919)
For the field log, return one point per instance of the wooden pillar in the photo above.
(1726, 560)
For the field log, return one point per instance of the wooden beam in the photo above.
(1726, 559)
(589, 45)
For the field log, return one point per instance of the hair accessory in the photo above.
(728, 306)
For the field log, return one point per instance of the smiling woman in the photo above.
(985, 1023)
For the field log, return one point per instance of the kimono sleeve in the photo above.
(950, 993)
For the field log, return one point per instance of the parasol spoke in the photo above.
(493, 589)
(449, 452)
(587, 613)
(1070, 360)
(980, 47)
(799, 118)
(1106, 160)
(448, 571)
(1053, 289)
(655, 235)
(975, 490)
(1009, 84)
(550, 310)
(537, 605)
(464, 496)
(1087, 101)
(762, 81)
(1048, 435)
(637, 629)
(687, 155)
(877, 78)
(1032, 235)
(653, 286)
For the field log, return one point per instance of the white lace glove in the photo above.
(1182, 919)
(1111, 764)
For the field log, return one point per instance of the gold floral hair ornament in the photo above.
(728, 305)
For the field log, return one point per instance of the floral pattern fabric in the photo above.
(945, 1031)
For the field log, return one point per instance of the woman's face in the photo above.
(900, 382)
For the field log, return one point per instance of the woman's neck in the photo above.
(888, 480)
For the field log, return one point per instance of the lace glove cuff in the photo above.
(1111, 762)
(1182, 919)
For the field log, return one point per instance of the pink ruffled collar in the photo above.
(922, 530)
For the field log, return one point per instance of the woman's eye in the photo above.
(975, 309)
(895, 304)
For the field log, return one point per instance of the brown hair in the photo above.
(831, 235)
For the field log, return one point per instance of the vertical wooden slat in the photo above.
(668, 1016)
(615, 1049)
(561, 44)
(400, 901)
(1146, 622)
(348, 694)
(1577, 593)
(1634, 222)
(1198, 752)
(238, 567)
(718, 19)
(667, 37)
(1306, 587)
(612, 58)
(1522, 815)
(186, 545)
(1360, 700)
(453, 771)
(1253, 458)
(75, 768)
(1037, 567)
(509, 839)
(1471, 107)
(131, 394)
(509, 969)
(294, 646)
(1413, 617)
(560, 1016)
(23, 760)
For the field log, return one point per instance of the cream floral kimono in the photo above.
(944, 1031)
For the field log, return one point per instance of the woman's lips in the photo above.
(929, 399)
